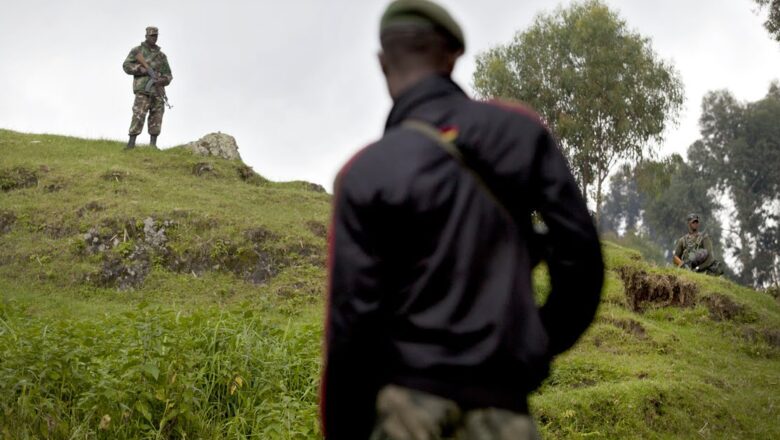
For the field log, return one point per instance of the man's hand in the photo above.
(142, 70)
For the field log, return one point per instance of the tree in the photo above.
(600, 86)
(652, 198)
(772, 23)
(739, 154)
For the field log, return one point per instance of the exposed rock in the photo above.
(127, 265)
(122, 274)
(215, 144)
(95, 242)
(154, 233)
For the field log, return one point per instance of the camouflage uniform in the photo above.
(404, 413)
(151, 102)
(687, 247)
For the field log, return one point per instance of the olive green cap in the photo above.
(691, 217)
(421, 12)
(151, 30)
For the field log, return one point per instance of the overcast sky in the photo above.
(297, 82)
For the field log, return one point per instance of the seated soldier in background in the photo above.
(694, 250)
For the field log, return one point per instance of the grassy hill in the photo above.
(158, 294)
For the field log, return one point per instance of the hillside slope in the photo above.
(158, 294)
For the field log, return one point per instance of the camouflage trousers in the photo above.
(713, 269)
(406, 414)
(152, 104)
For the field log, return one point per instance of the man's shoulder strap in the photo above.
(431, 132)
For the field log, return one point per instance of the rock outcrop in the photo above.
(215, 144)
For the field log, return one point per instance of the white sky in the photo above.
(297, 82)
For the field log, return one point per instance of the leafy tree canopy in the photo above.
(772, 23)
(739, 153)
(600, 86)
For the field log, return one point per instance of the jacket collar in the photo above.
(154, 48)
(432, 87)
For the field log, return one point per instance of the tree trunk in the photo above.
(599, 185)
(584, 186)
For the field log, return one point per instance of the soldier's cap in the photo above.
(151, 30)
(425, 13)
(691, 217)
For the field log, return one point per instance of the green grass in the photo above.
(196, 349)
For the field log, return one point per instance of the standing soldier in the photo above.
(694, 250)
(151, 73)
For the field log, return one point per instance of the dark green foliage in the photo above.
(652, 199)
(604, 91)
(155, 373)
(772, 23)
(739, 153)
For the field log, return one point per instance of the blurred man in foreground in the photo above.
(432, 330)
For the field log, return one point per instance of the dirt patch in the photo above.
(248, 175)
(254, 259)
(317, 228)
(644, 289)
(54, 187)
(768, 335)
(7, 220)
(654, 409)
(772, 337)
(314, 255)
(115, 175)
(59, 229)
(629, 325)
(17, 178)
(722, 308)
(92, 206)
(259, 235)
(202, 168)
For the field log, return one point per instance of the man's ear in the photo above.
(451, 59)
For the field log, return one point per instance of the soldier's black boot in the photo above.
(153, 140)
(130, 142)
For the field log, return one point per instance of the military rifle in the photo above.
(154, 78)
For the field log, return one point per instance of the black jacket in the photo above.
(430, 279)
